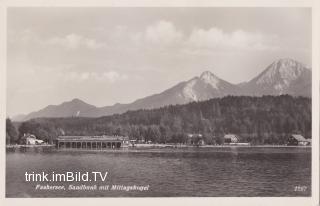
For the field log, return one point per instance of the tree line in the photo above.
(258, 120)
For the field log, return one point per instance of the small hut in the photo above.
(297, 140)
(195, 139)
(231, 138)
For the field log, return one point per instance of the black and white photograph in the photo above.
(159, 102)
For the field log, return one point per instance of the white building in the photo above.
(30, 139)
(231, 138)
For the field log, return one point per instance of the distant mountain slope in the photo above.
(75, 107)
(284, 76)
(19, 117)
(200, 88)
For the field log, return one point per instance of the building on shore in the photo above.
(195, 139)
(92, 142)
(298, 140)
(231, 138)
(30, 139)
(309, 141)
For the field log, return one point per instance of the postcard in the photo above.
(175, 104)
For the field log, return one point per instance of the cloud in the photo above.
(163, 32)
(110, 76)
(159, 35)
(113, 76)
(217, 39)
(74, 41)
(70, 41)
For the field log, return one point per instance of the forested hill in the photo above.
(259, 120)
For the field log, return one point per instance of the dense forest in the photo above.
(258, 120)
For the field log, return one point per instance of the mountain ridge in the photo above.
(284, 76)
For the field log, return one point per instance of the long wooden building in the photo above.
(92, 142)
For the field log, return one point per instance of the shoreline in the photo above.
(163, 146)
(216, 146)
(28, 146)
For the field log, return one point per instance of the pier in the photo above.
(92, 142)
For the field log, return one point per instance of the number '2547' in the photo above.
(300, 188)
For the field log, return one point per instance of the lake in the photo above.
(183, 172)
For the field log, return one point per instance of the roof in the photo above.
(29, 136)
(299, 137)
(229, 136)
(103, 137)
(194, 135)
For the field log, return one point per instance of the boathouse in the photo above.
(297, 140)
(92, 142)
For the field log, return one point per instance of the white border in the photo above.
(315, 100)
(314, 200)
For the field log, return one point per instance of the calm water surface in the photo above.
(202, 172)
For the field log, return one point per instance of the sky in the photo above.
(110, 55)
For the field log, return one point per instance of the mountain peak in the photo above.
(206, 73)
(287, 64)
(280, 76)
(209, 78)
(76, 101)
(285, 60)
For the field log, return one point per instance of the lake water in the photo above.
(202, 172)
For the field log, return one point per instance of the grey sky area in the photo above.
(109, 55)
